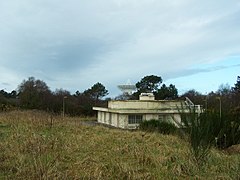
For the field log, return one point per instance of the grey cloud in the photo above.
(193, 71)
(66, 56)
(5, 84)
(74, 55)
(114, 41)
(236, 65)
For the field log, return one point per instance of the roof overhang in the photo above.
(142, 111)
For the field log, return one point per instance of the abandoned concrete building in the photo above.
(128, 114)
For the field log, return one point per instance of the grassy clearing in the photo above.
(36, 145)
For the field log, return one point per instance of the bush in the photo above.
(229, 130)
(162, 127)
(208, 129)
(199, 129)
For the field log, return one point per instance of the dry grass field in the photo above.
(37, 145)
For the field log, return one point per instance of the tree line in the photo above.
(35, 94)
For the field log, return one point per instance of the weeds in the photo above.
(208, 129)
(200, 130)
(32, 147)
(158, 126)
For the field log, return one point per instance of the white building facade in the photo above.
(129, 113)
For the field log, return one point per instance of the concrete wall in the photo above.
(177, 120)
(173, 118)
(100, 117)
(144, 104)
(113, 119)
(121, 120)
(150, 116)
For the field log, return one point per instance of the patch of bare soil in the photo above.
(234, 149)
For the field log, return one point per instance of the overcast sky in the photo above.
(72, 44)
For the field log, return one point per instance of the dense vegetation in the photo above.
(38, 145)
(35, 94)
(208, 129)
(158, 126)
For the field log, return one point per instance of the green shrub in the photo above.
(162, 127)
(228, 130)
(209, 128)
(200, 131)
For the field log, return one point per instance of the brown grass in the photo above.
(37, 145)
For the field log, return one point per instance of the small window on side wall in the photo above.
(164, 117)
(161, 118)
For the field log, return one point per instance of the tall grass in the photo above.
(229, 130)
(210, 129)
(199, 129)
(36, 145)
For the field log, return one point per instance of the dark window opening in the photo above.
(134, 119)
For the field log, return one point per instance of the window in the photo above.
(164, 117)
(161, 118)
(134, 119)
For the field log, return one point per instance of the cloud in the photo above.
(193, 71)
(77, 43)
(5, 84)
